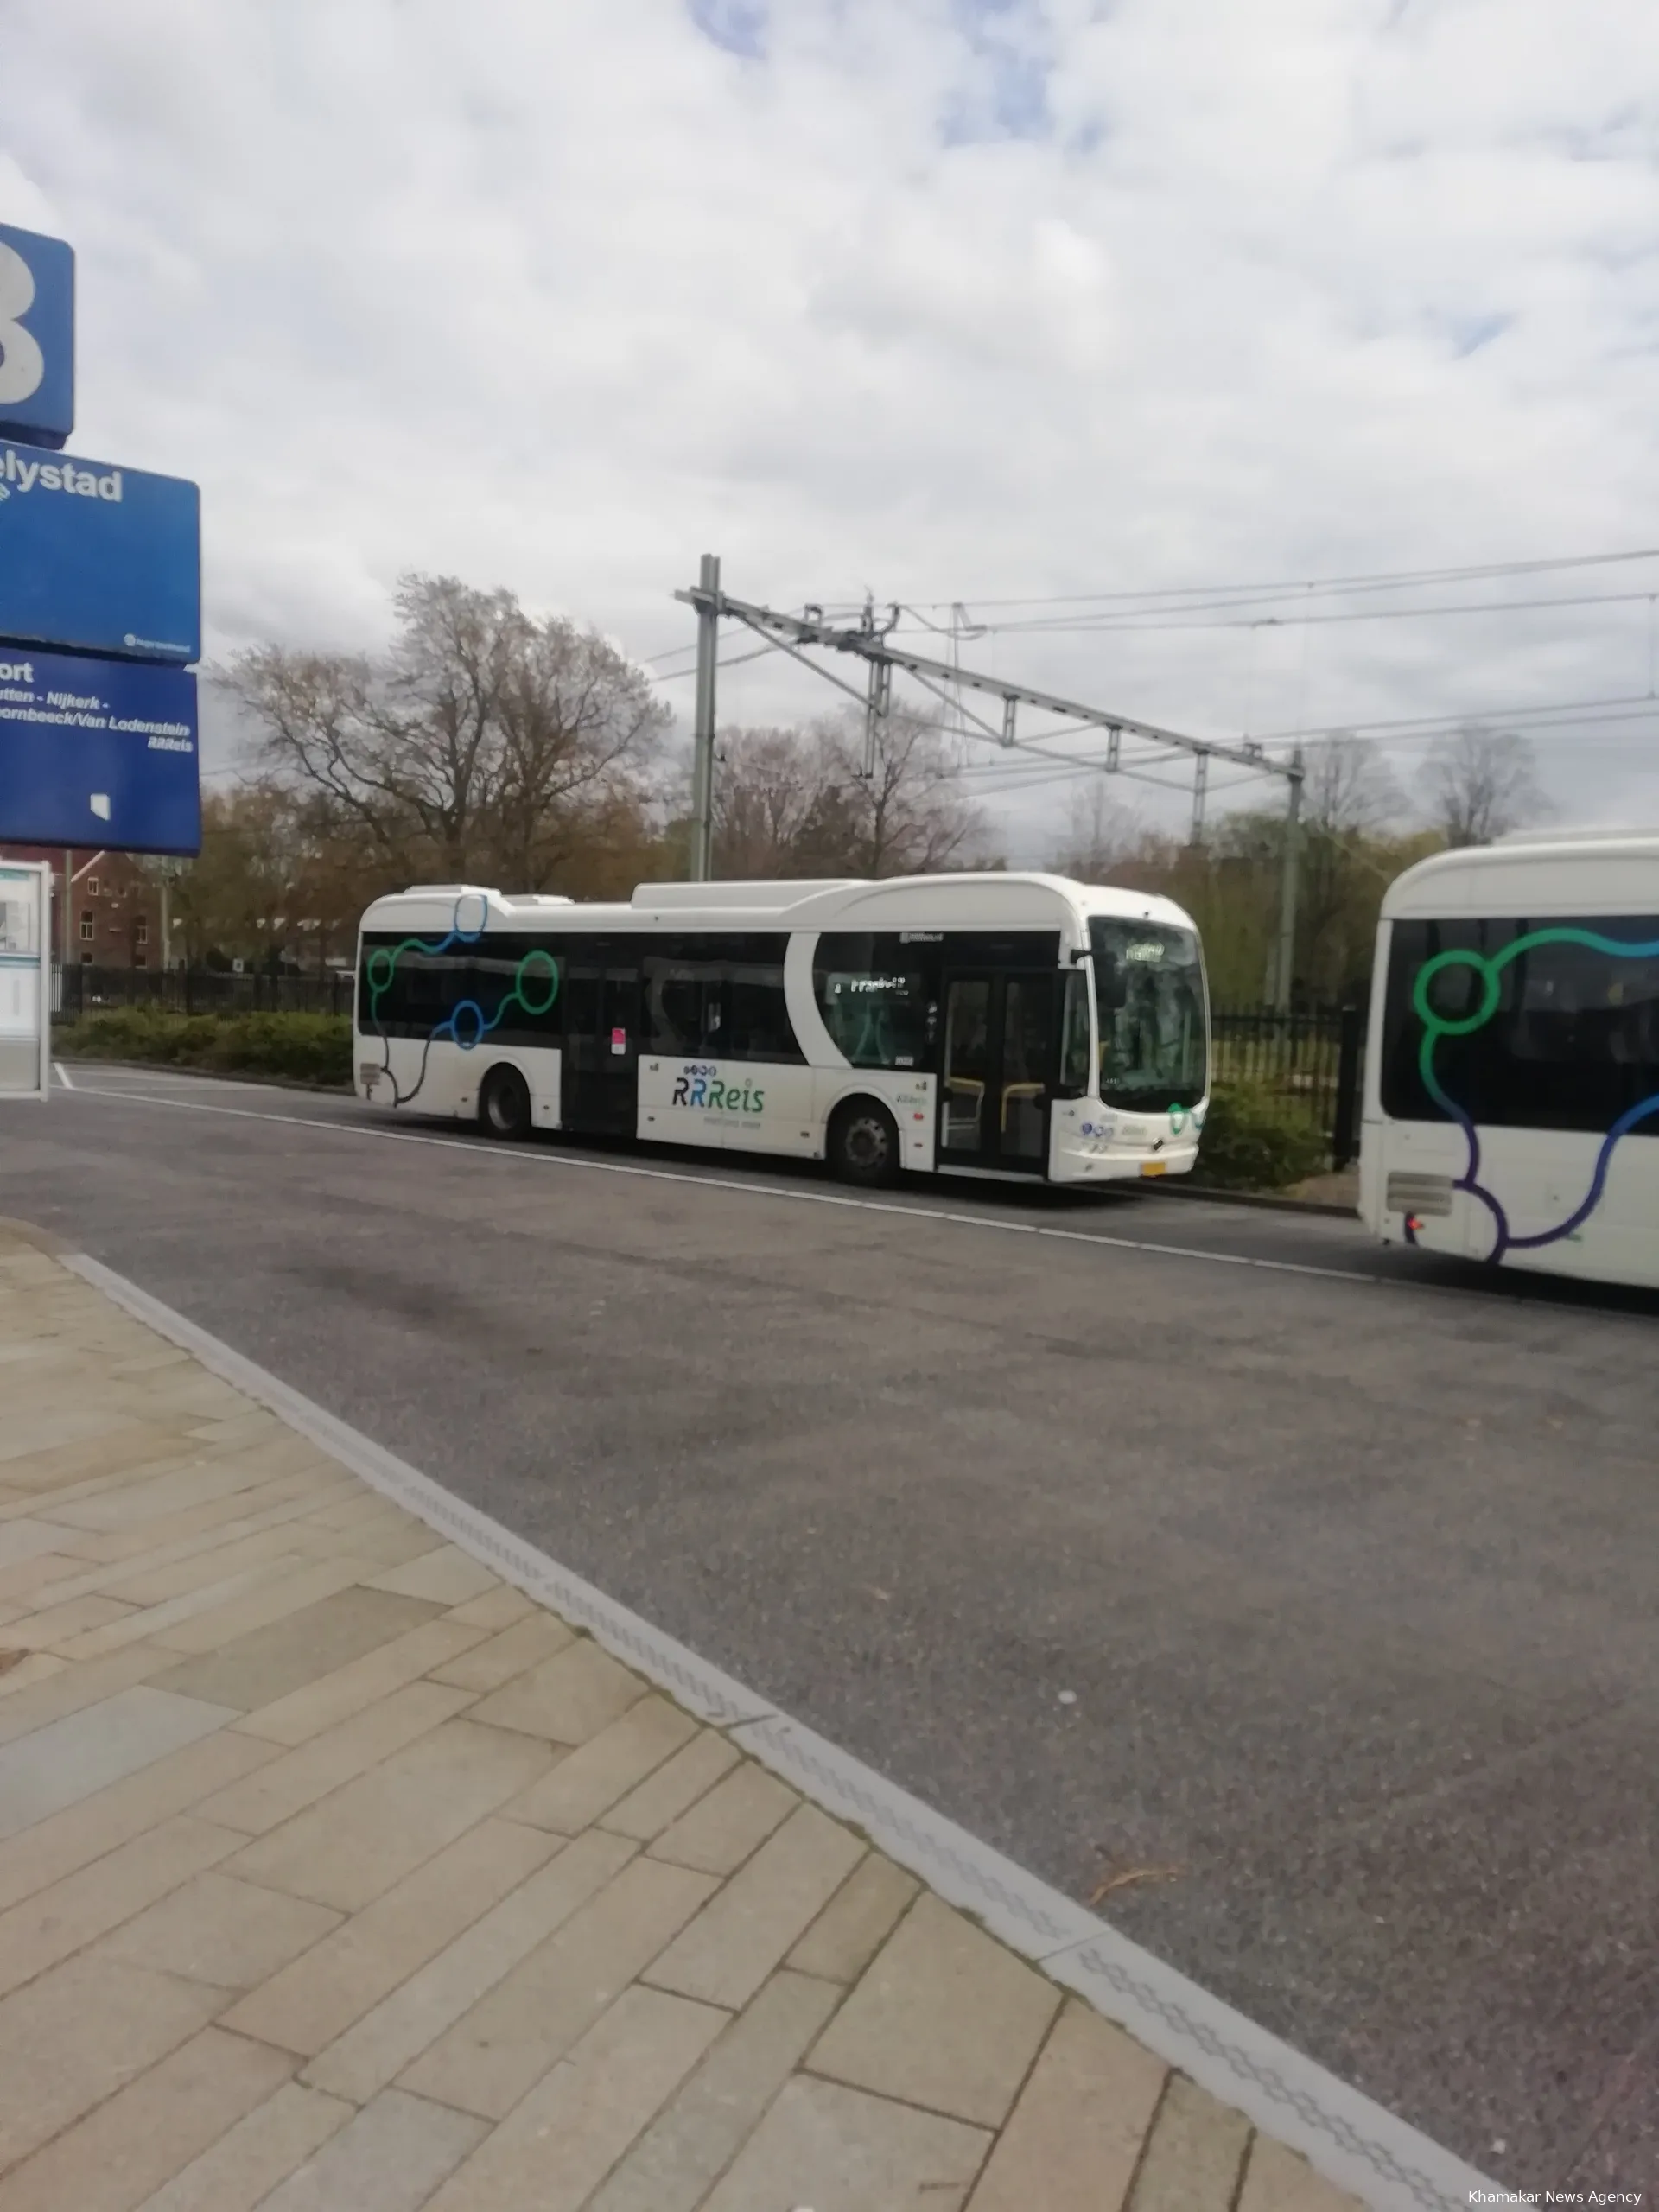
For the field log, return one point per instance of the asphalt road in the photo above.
(1347, 1561)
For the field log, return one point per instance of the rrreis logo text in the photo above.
(701, 1086)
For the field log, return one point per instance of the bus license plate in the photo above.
(1154, 1168)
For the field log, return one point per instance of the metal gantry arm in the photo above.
(870, 644)
(873, 644)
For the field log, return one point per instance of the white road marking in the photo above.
(62, 1074)
(508, 1156)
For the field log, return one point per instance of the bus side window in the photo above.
(1074, 1036)
(429, 986)
(509, 980)
(1568, 1041)
(683, 1006)
(760, 1028)
(416, 995)
(879, 997)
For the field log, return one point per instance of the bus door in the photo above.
(996, 1078)
(600, 1080)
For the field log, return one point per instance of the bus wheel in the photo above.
(504, 1104)
(864, 1144)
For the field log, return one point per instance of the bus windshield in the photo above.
(1149, 996)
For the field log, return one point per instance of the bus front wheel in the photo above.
(864, 1144)
(504, 1103)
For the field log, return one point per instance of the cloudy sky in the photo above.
(953, 301)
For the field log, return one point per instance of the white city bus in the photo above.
(990, 1024)
(1512, 1083)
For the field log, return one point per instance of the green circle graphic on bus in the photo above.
(550, 974)
(1177, 1119)
(379, 967)
(1492, 986)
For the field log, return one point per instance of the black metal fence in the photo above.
(199, 990)
(1310, 1061)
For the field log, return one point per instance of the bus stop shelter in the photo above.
(25, 979)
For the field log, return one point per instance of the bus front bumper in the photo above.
(1091, 1143)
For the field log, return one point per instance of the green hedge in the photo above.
(302, 1047)
(1253, 1141)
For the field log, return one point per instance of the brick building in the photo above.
(115, 910)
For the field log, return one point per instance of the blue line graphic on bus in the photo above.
(1436, 1026)
(534, 987)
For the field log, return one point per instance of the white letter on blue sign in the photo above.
(23, 365)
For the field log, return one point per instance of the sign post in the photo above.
(100, 621)
(100, 602)
(25, 979)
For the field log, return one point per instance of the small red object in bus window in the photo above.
(619, 1040)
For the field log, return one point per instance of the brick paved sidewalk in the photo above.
(338, 1876)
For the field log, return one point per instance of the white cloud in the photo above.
(941, 297)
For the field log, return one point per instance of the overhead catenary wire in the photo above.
(1115, 625)
(1183, 600)
(1077, 748)
(1547, 718)
(1020, 779)
(1375, 580)
(735, 660)
(1168, 606)
(1411, 728)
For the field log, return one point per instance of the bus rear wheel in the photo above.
(504, 1104)
(864, 1144)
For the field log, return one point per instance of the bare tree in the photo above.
(474, 746)
(794, 803)
(579, 724)
(1348, 852)
(766, 785)
(1484, 783)
(908, 818)
(1102, 833)
(1350, 788)
(1350, 795)
(273, 879)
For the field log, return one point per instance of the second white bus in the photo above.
(1020, 1026)
(1512, 1084)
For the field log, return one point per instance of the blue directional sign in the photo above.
(98, 753)
(37, 337)
(102, 559)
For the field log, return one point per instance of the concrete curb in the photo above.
(1353, 2142)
